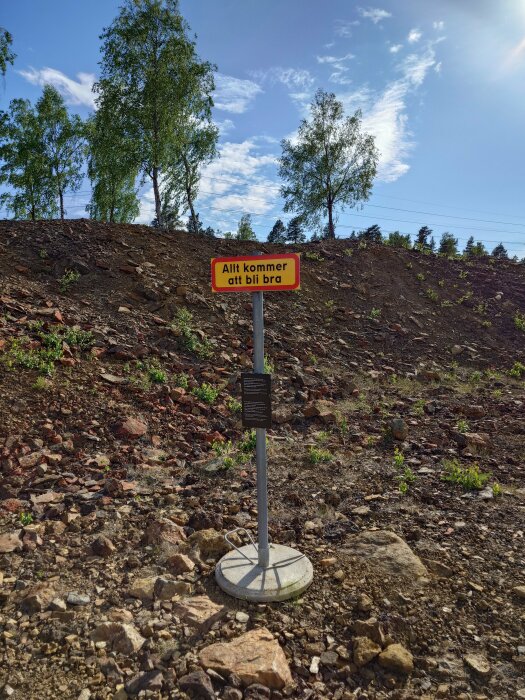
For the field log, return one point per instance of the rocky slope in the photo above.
(397, 464)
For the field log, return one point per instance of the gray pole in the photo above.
(260, 449)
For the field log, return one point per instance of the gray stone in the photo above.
(388, 553)
(78, 599)
(197, 685)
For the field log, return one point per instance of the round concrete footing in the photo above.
(289, 574)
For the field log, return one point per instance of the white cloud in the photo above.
(234, 94)
(224, 126)
(437, 67)
(298, 81)
(385, 114)
(414, 35)
(343, 28)
(395, 48)
(440, 25)
(374, 13)
(75, 92)
(334, 59)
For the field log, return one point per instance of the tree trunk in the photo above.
(331, 229)
(158, 207)
(61, 197)
(192, 210)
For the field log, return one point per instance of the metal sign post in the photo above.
(262, 572)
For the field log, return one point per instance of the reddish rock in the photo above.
(11, 505)
(131, 429)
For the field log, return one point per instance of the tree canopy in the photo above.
(151, 70)
(330, 164)
(6, 53)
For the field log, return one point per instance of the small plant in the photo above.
(463, 274)
(269, 367)
(322, 436)
(312, 359)
(157, 375)
(248, 442)
(465, 297)
(344, 430)
(431, 294)
(43, 254)
(76, 337)
(374, 314)
(519, 321)
(408, 266)
(399, 458)
(314, 256)
(446, 304)
(317, 455)
(462, 426)
(441, 283)
(234, 405)
(26, 518)
(476, 377)
(405, 479)
(182, 325)
(68, 278)
(40, 384)
(348, 252)
(330, 304)
(496, 489)
(469, 477)
(518, 370)
(206, 392)
(222, 448)
(362, 245)
(418, 409)
(420, 276)
(182, 380)
(481, 308)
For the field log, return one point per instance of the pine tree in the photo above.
(422, 240)
(469, 248)
(399, 240)
(294, 231)
(278, 233)
(448, 245)
(372, 234)
(479, 250)
(500, 252)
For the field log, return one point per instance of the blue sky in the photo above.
(440, 84)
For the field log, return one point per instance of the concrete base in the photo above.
(287, 576)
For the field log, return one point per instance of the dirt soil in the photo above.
(123, 461)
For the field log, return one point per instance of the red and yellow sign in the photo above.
(256, 273)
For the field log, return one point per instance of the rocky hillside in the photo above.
(397, 464)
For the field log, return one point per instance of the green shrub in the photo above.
(182, 325)
(68, 278)
(519, 321)
(206, 392)
(469, 477)
(317, 455)
(518, 370)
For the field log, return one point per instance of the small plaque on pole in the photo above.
(256, 400)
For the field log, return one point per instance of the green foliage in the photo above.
(469, 477)
(294, 230)
(234, 405)
(40, 384)
(348, 252)
(372, 234)
(6, 53)
(399, 458)
(462, 426)
(206, 392)
(26, 518)
(500, 252)
(160, 92)
(398, 240)
(406, 478)
(40, 359)
(331, 163)
(517, 370)
(156, 375)
(24, 168)
(249, 441)
(182, 325)
(418, 409)
(431, 294)
(496, 489)
(62, 143)
(222, 447)
(420, 276)
(519, 321)
(269, 367)
(317, 455)
(278, 233)
(309, 255)
(374, 314)
(68, 278)
(245, 231)
(448, 245)
(182, 380)
(112, 169)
